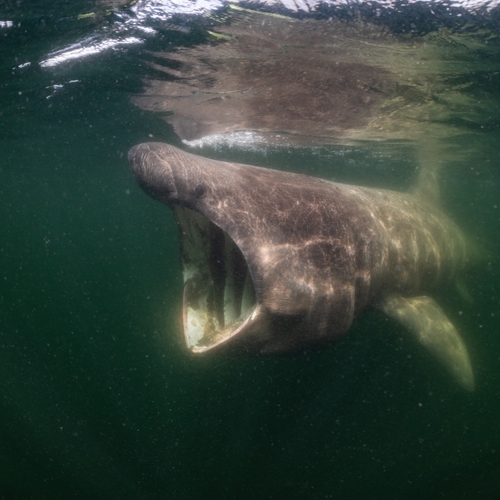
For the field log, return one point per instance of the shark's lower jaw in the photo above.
(219, 297)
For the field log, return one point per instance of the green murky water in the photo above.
(98, 397)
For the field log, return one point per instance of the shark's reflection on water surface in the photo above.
(319, 81)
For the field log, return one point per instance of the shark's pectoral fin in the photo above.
(425, 319)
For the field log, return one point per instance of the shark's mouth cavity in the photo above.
(219, 296)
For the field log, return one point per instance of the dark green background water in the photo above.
(99, 399)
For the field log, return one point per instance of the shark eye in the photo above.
(199, 191)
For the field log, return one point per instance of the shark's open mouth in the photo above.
(219, 296)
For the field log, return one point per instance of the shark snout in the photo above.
(152, 167)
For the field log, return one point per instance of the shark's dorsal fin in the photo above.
(423, 317)
(426, 186)
(464, 291)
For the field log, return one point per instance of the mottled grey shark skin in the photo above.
(276, 261)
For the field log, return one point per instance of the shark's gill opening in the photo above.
(219, 296)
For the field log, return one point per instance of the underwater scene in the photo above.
(290, 289)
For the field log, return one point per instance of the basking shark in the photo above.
(275, 261)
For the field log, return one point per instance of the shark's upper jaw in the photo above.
(219, 297)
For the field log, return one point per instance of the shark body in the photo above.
(275, 261)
